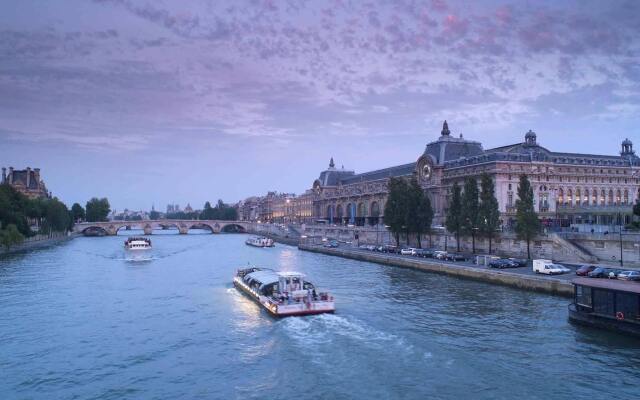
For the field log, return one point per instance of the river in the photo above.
(82, 320)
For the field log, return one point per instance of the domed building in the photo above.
(569, 188)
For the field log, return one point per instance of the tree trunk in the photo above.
(407, 233)
(419, 240)
(397, 236)
(528, 251)
(490, 244)
(430, 242)
(473, 242)
(458, 240)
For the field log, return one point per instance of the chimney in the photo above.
(10, 175)
(36, 175)
(4, 175)
(28, 177)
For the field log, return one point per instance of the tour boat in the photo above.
(607, 304)
(260, 241)
(137, 243)
(283, 294)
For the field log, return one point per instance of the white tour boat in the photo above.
(283, 294)
(137, 243)
(260, 241)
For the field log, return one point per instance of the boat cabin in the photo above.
(607, 303)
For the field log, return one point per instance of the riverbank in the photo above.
(39, 241)
(537, 283)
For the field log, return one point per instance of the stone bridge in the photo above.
(112, 227)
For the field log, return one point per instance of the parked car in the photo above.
(389, 248)
(552, 269)
(371, 247)
(629, 275)
(520, 262)
(331, 244)
(409, 251)
(455, 257)
(584, 270)
(501, 263)
(440, 255)
(613, 273)
(599, 272)
(424, 253)
(379, 248)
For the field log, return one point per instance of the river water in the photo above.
(83, 320)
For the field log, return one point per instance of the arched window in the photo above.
(585, 199)
(375, 209)
(330, 213)
(560, 196)
(626, 197)
(610, 196)
(602, 197)
(570, 197)
(594, 197)
(578, 197)
(339, 211)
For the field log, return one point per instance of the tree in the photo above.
(489, 214)
(14, 209)
(527, 222)
(469, 217)
(10, 236)
(97, 209)
(395, 208)
(77, 212)
(153, 215)
(419, 212)
(57, 216)
(453, 220)
(208, 212)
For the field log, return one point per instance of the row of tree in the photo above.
(22, 217)
(472, 212)
(408, 209)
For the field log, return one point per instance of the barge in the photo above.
(606, 304)
(282, 294)
(260, 241)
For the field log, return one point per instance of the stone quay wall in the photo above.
(566, 247)
(536, 283)
(39, 241)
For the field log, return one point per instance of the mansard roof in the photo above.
(448, 148)
(398, 170)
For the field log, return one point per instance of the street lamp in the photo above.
(620, 235)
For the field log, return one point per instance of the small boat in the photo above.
(260, 241)
(283, 294)
(137, 243)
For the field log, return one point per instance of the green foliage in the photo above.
(77, 212)
(527, 222)
(470, 213)
(97, 210)
(14, 207)
(57, 217)
(10, 236)
(453, 221)
(419, 211)
(395, 210)
(154, 215)
(18, 210)
(221, 211)
(489, 213)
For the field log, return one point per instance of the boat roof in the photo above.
(288, 274)
(264, 276)
(611, 284)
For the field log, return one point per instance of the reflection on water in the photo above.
(88, 319)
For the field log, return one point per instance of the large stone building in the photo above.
(569, 188)
(26, 181)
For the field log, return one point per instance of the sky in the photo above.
(156, 102)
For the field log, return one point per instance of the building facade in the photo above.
(569, 188)
(26, 181)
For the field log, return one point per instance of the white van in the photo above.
(548, 267)
(539, 266)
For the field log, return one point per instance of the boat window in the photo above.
(603, 302)
(583, 296)
(628, 304)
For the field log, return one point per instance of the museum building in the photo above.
(569, 188)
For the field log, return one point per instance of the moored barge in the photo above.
(607, 304)
(282, 294)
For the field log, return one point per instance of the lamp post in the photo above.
(620, 235)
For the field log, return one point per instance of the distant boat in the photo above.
(137, 243)
(260, 241)
(283, 294)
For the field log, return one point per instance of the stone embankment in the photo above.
(39, 241)
(551, 285)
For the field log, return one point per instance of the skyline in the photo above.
(164, 103)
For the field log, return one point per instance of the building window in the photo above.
(510, 199)
(560, 196)
(594, 197)
(602, 197)
(626, 197)
(610, 197)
